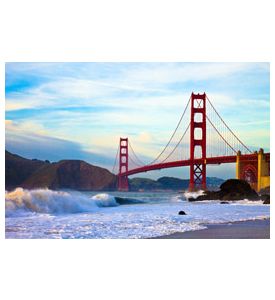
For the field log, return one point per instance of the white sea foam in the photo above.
(195, 195)
(247, 202)
(53, 202)
(124, 221)
(177, 198)
(104, 200)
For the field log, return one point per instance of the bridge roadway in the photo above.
(182, 163)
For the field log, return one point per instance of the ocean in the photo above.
(47, 214)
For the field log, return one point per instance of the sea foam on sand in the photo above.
(52, 214)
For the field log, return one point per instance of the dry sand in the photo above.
(258, 229)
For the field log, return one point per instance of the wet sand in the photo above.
(258, 229)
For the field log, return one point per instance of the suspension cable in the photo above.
(172, 134)
(220, 134)
(228, 127)
(113, 169)
(177, 144)
(140, 161)
(134, 162)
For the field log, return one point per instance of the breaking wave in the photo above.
(46, 201)
(104, 200)
(58, 202)
(123, 201)
(193, 194)
(177, 198)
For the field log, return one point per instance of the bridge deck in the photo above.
(182, 163)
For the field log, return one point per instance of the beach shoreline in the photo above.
(251, 229)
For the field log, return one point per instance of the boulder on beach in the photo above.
(182, 213)
(231, 189)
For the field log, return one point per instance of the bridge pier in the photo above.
(255, 170)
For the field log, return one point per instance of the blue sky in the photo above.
(79, 110)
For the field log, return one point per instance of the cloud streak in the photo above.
(24, 139)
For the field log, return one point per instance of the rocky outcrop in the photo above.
(265, 195)
(265, 198)
(232, 189)
(265, 191)
(235, 189)
(65, 174)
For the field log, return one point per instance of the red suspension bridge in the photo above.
(200, 138)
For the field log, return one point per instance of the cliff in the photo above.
(71, 174)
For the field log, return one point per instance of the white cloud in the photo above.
(27, 140)
(176, 72)
(27, 127)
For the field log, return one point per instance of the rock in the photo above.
(191, 199)
(181, 212)
(232, 189)
(235, 189)
(208, 195)
(265, 198)
(265, 191)
(224, 202)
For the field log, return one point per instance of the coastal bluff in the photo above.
(65, 174)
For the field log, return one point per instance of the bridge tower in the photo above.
(198, 124)
(123, 184)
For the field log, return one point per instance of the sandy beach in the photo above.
(258, 229)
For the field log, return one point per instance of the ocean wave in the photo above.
(21, 201)
(124, 201)
(122, 221)
(177, 198)
(46, 201)
(104, 200)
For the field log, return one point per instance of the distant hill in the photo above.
(173, 183)
(71, 174)
(145, 184)
(169, 183)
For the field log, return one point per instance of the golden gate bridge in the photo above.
(200, 138)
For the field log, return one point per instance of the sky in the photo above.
(79, 110)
